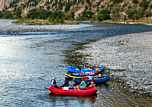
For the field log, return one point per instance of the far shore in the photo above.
(7, 25)
(146, 21)
(43, 22)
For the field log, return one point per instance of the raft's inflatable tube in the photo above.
(72, 69)
(72, 92)
(103, 79)
(98, 80)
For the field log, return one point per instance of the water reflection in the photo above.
(66, 101)
(10, 52)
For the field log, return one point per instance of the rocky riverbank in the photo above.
(131, 52)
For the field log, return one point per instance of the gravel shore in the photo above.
(132, 52)
(9, 26)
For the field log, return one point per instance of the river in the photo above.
(29, 60)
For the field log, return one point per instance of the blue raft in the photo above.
(73, 69)
(82, 72)
(97, 80)
(75, 73)
(103, 79)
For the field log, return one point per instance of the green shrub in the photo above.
(18, 12)
(67, 7)
(87, 14)
(56, 17)
(7, 15)
(38, 14)
(55, 20)
(1, 14)
(103, 15)
(116, 1)
(135, 13)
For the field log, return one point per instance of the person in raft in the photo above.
(92, 84)
(53, 82)
(82, 85)
(85, 83)
(70, 83)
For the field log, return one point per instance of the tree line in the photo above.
(60, 10)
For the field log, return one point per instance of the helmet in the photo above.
(101, 65)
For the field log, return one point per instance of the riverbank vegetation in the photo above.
(57, 11)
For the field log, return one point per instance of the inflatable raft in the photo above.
(72, 92)
(83, 72)
(103, 79)
(98, 80)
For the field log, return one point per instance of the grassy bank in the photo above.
(43, 22)
(47, 22)
(131, 21)
(32, 21)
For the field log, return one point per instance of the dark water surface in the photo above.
(29, 60)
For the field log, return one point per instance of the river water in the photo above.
(29, 60)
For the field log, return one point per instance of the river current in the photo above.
(29, 60)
